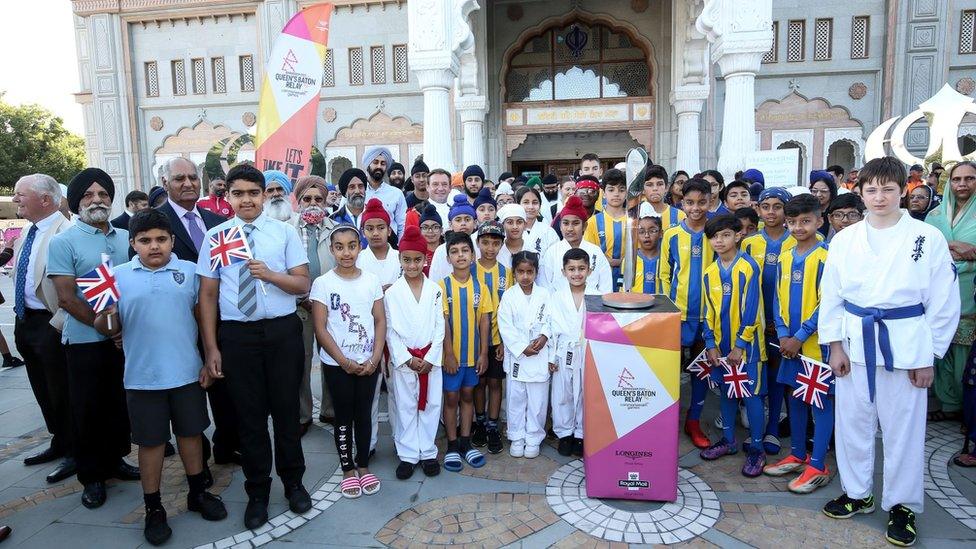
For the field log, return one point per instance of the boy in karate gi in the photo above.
(889, 307)
(415, 339)
(572, 221)
(524, 323)
(568, 314)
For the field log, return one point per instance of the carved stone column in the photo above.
(687, 104)
(740, 32)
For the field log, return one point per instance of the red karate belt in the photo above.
(422, 398)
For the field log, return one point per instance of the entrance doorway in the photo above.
(561, 168)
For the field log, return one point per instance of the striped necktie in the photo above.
(23, 263)
(247, 296)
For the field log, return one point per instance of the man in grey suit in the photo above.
(38, 320)
(314, 226)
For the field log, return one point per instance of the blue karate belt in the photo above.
(871, 316)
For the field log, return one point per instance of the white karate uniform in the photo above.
(540, 237)
(904, 265)
(413, 324)
(600, 280)
(567, 381)
(522, 318)
(505, 256)
(440, 267)
(387, 271)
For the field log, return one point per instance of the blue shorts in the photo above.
(753, 371)
(466, 376)
(691, 331)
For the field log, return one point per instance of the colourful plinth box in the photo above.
(631, 401)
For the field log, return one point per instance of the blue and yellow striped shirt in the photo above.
(732, 307)
(496, 279)
(684, 256)
(464, 305)
(765, 250)
(645, 274)
(610, 234)
(797, 304)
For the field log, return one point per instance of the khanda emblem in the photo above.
(944, 113)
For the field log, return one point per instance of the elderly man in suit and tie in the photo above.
(314, 227)
(37, 320)
(190, 223)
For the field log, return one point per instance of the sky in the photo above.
(39, 61)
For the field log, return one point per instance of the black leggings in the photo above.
(352, 398)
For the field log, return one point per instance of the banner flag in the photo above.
(290, 93)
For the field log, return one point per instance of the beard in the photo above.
(357, 201)
(95, 213)
(377, 174)
(397, 182)
(470, 193)
(550, 196)
(279, 208)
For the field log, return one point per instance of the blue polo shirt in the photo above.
(278, 245)
(159, 330)
(76, 252)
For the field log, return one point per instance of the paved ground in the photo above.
(515, 503)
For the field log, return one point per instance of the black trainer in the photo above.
(299, 502)
(430, 467)
(565, 447)
(157, 531)
(209, 506)
(479, 435)
(495, 445)
(405, 470)
(578, 447)
(256, 512)
(845, 507)
(901, 526)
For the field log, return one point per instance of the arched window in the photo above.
(800, 169)
(578, 61)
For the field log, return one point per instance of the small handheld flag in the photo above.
(813, 383)
(99, 287)
(736, 381)
(227, 247)
(702, 370)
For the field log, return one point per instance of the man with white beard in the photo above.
(96, 396)
(277, 190)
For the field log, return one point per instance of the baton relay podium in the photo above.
(631, 399)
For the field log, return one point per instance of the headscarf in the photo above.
(412, 241)
(504, 188)
(965, 230)
(775, 192)
(933, 203)
(511, 210)
(275, 176)
(307, 182)
(461, 206)
(395, 166)
(753, 175)
(374, 210)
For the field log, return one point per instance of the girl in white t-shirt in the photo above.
(350, 326)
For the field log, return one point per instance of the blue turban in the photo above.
(755, 176)
(275, 176)
(461, 206)
(821, 175)
(775, 192)
(373, 152)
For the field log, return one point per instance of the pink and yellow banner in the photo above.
(290, 93)
(631, 401)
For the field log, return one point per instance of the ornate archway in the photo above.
(404, 138)
(579, 70)
(814, 123)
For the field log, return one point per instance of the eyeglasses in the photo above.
(589, 192)
(647, 232)
(430, 228)
(819, 191)
(848, 216)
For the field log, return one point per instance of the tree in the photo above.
(34, 140)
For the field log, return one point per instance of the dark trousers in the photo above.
(98, 409)
(262, 363)
(40, 345)
(226, 438)
(352, 399)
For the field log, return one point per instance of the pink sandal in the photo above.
(369, 484)
(351, 483)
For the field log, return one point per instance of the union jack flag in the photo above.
(227, 247)
(736, 380)
(814, 382)
(700, 368)
(99, 287)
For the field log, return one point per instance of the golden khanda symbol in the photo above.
(944, 112)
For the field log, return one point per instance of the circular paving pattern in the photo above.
(696, 510)
(942, 441)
